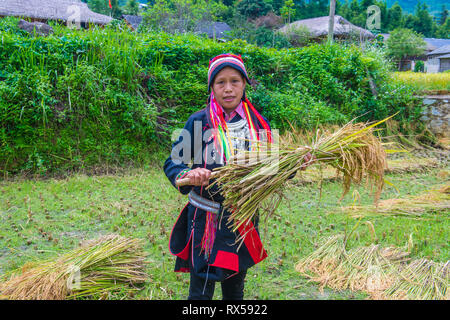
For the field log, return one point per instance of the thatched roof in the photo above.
(133, 21)
(51, 10)
(209, 27)
(318, 27)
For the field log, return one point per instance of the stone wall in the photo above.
(436, 114)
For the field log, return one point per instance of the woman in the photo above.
(201, 239)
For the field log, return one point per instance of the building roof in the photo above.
(432, 43)
(52, 10)
(445, 56)
(210, 27)
(440, 51)
(319, 27)
(435, 43)
(134, 21)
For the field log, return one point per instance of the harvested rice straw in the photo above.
(97, 267)
(435, 200)
(371, 269)
(422, 279)
(249, 179)
(323, 261)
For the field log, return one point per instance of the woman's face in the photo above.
(228, 88)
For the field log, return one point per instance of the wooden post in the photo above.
(331, 20)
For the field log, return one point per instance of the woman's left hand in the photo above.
(308, 160)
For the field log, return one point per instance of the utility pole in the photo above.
(331, 20)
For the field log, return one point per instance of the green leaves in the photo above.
(112, 95)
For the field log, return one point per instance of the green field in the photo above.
(41, 218)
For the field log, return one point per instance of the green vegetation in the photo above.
(41, 218)
(248, 18)
(433, 83)
(107, 100)
(404, 43)
(78, 99)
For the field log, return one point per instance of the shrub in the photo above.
(81, 98)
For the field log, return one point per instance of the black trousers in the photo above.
(202, 289)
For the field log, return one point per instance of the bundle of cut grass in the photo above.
(98, 267)
(411, 164)
(252, 177)
(371, 269)
(435, 200)
(322, 262)
(328, 173)
(420, 280)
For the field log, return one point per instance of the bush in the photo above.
(419, 66)
(77, 99)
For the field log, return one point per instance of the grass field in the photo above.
(41, 218)
(435, 83)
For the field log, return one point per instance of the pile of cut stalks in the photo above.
(97, 268)
(383, 273)
(435, 200)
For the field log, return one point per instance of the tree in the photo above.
(423, 22)
(102, 6)
(443, 15)
(394, 14)
(443, 31)
(99, 6)
(132, 7)
(277, 5)
(288, 10)
(404, 43)
(182, 15)
(253, 8)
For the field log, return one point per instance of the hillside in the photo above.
(435, 6)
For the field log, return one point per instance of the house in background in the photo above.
(318, 29)
(438, 60)
(62, 11)
(432, 63)
(132, 21)
(214, 30)
(435, 43)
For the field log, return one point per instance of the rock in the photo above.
(436, 125)
(428, 101)
(436, 115)
(436, 112)
(41, 29)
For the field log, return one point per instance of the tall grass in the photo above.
(424, 82)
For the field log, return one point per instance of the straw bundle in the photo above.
(252, 177)
(97, 267)
(382, 272)
(420, 280)
(435, 200)
(369, 269)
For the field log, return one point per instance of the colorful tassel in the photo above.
(210, 234)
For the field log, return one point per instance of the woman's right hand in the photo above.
(198, 177)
